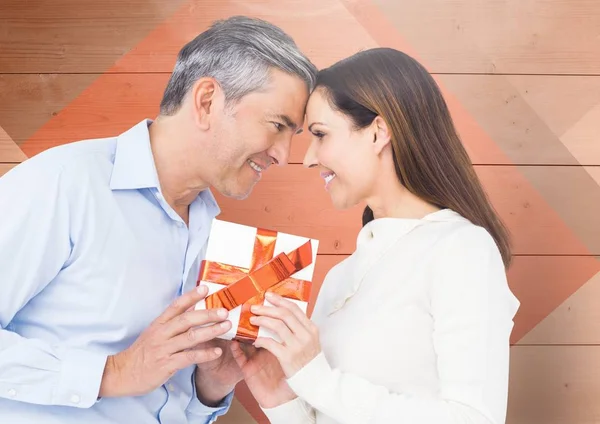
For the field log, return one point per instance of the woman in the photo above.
(414, 326)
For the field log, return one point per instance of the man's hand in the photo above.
(216, 379)
(263, 375)
(169, 344)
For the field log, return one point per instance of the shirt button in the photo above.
(171, 387)
(12, 393)
(75, 399)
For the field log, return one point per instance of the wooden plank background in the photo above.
(522, 80)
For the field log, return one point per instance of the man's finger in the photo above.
(238, 354)
(198, 335)
(182, 304)
(202, 317)
(186, 358)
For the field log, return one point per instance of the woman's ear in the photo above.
(382, 136)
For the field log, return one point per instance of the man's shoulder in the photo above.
(82, 155)
(77, 152)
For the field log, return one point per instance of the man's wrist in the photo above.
(111, 385)
(209, 393)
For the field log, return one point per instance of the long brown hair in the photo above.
(429, 157)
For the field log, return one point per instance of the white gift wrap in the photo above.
(233, 244)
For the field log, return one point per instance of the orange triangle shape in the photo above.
(9, 151)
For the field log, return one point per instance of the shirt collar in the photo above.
(134, 167)
(393, 228)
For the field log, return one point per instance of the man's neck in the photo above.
(178, 184)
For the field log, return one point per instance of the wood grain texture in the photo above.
(545, 285)
(237, 414)
(46, 36)
(510, 36)
(5, 167)
(323, 44)
(574, 321)
(9, 151)
(534, 119)
(515, 120)
(484, 37)
(575, 197)
(108, 106)
(554, 385)
(31, 100)
(594, 173)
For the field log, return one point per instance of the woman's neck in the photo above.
(392, 200)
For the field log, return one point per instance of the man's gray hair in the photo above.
(238, 52)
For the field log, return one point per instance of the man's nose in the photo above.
(280, 151)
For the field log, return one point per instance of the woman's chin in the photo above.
(342, 203)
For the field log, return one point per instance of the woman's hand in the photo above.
(298, 334)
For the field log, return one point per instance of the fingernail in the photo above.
(222, 313)
(201, 289)
(252, 320)
(271, 296)
(218, 351)
(254, 308)
(225, 324)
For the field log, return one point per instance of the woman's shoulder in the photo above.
(453, 230)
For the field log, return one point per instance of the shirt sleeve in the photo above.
(472, 309)
(34, 246)
(198, 413)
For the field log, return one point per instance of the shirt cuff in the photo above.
(311, 380)
(295, 411)
(80, 378)
(198, 409)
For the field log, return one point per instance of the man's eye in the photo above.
(278, 126)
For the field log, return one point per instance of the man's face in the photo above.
(255, 133)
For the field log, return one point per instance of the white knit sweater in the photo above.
(414, 329)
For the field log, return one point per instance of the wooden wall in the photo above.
(522, 78)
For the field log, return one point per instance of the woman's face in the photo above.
(347, 158)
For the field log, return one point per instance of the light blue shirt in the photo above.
(90, 255)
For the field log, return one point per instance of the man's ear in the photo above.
(204, 101)
(382, 136)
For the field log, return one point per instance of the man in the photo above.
(101, 241)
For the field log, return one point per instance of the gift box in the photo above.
(242, 263)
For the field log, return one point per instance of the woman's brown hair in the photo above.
(429, 157)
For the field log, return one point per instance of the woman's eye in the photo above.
(319, 134)
(278, 126)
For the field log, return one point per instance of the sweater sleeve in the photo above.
(296, 411)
